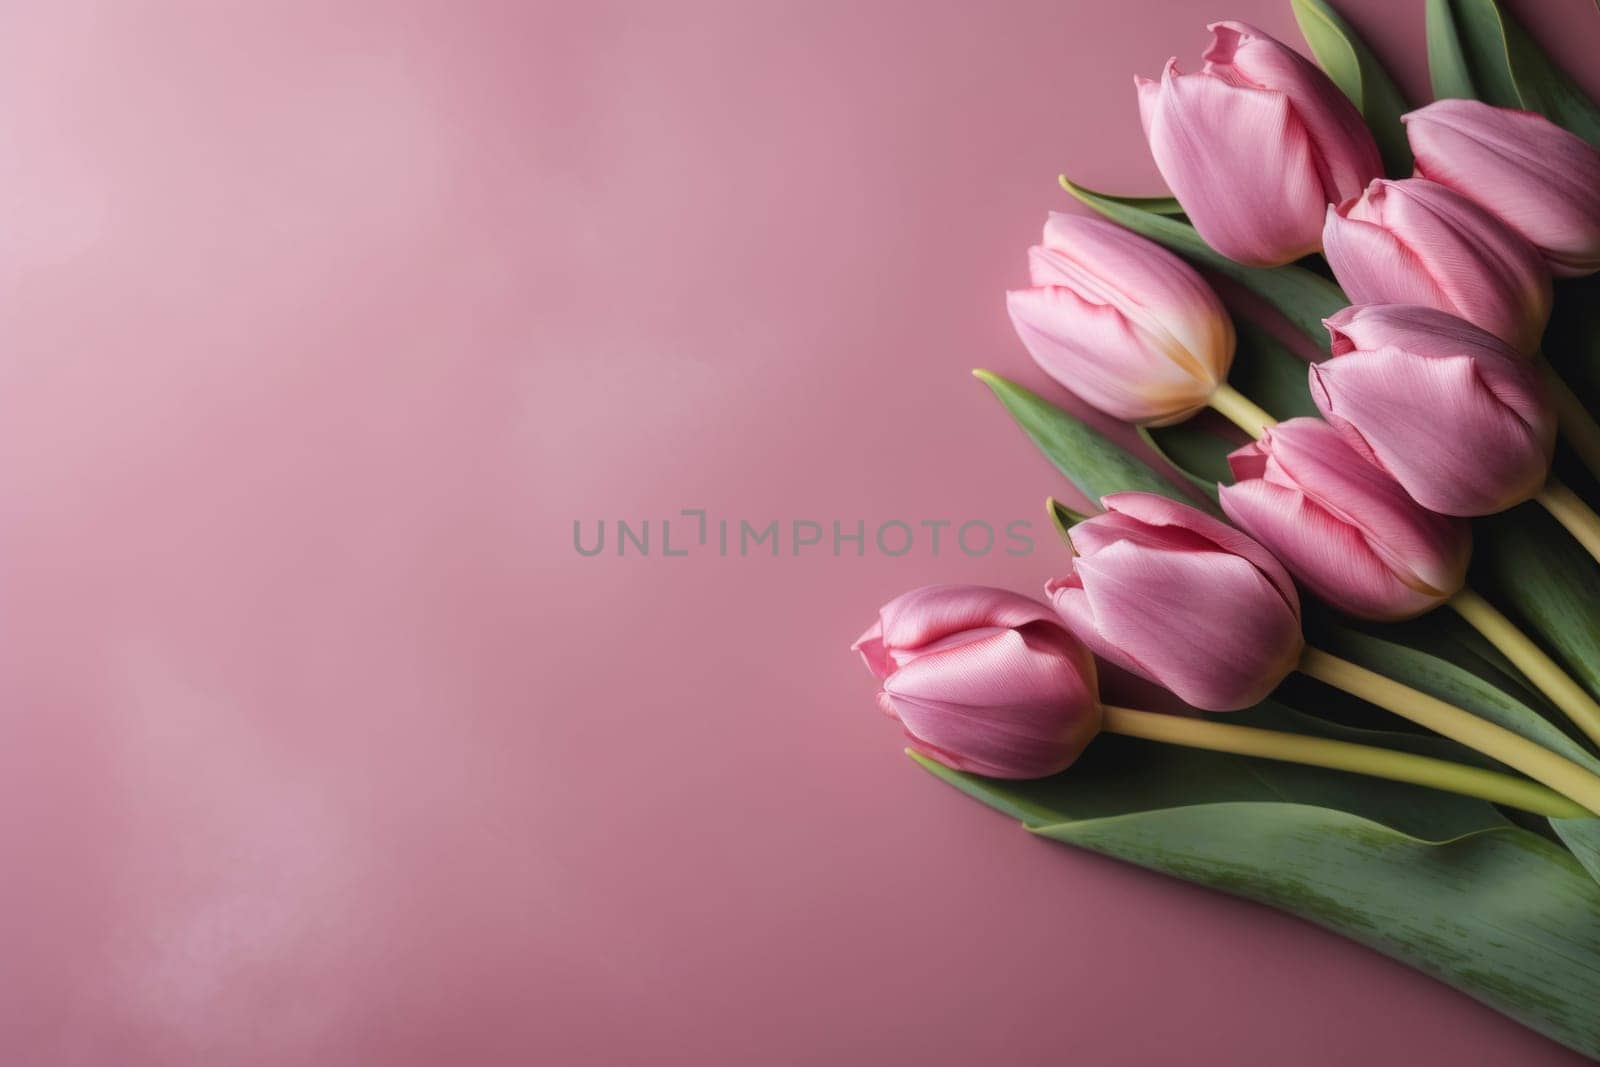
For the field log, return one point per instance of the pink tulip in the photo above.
(1182, 600)
(1416, 242)
(1457, 417)
(1343, 527)
(983, 680)
(1122, 322)
(1536, 177)
(1256, 145)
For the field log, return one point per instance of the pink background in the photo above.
(319, 744)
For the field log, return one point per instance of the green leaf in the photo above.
(1093, 463)
(1155, 205)
(1499, 912)
(1268, 373)
(1194, 451)
(1582, 837)
(1301, 296)
(1411, 809)
(1062, 518)
(1534, 572)
(1447, 58)
(1484, 53)
(1453, 683)
(1355, 70)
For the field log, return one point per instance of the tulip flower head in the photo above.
(1452, 413)
(1537, 178)
(1256, 145)
(1342, 526)
(1416, 242)
(1122, 322)
(983, 680)
(1181, 599)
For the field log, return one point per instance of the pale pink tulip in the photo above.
(1416, 242)
(1122, 322)
(1456, 416)
(983, 680)
(1343, 527)
(1539, 179)
(1181, 599)
(1256, 145)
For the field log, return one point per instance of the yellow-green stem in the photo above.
(1240, 410)
(1579, 518)
(1342, 756)
(1515, 751)
(1531, 660)
(1577, 425)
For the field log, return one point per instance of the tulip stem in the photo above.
(1240, 410)
(1342, 756)
(1514, 750)
(1579, 519)
(1531, 660)
(1577, 425)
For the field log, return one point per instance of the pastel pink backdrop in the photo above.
(319, 744)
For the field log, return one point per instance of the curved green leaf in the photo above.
(1582, 837)
(1454, 684)
(1499, 913)
(1193, 451)
(1301, 296)
(1155, 205)
(1355, 70)
(1090, 460)
(1062, 518)
(1482, 52)
(1447, 59)
(1544, 581)
(1268, 373)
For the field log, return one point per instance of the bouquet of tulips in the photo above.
(1406, 758)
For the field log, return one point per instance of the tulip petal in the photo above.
(1490, 275)
(1416, 242)
(1435, 426)
(1427, 551)
(1158, 292)
(1163, 512)
(1343, 149)
(1239, 161)
(1541, 180)
(933, 613)
(1334, 559)
(1372, 265)
(1162, 609)
(1094, 351)
(994, 706)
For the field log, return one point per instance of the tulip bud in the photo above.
(1416, 242)
(1537, 178)
(983, 680)
(1181, 599)
(1122, 322)
(1460, 420)
(1256, 145)
(1343, 527)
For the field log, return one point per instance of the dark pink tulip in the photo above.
(1343, 527)
(1121, 321)
(1256, 145)
(1181, 599)
(1456, 416)
(1537, 178)
(983, 680)
(1416, 242)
